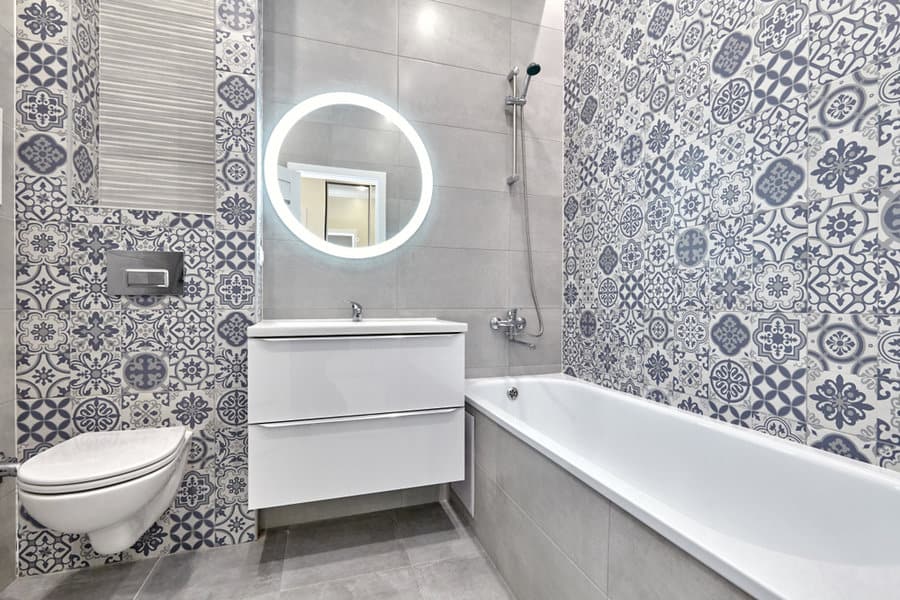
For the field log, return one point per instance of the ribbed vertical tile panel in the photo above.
(157, 105)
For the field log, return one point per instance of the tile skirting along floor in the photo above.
(418, 553)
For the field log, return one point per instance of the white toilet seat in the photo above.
(96, 460)
(111, 486)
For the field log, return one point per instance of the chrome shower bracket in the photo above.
(516, 103)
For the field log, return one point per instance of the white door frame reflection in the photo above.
(282, 208)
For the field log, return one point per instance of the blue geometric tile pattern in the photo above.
(89, 361)
(732, 213)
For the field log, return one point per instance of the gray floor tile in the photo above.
(342, 548)
(114, 582)
(233, 572)
(430, 533)
(461, 579)
(396, 584)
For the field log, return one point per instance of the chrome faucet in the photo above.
(357, 309)
(512, 326)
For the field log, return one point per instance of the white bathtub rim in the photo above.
(646, 508)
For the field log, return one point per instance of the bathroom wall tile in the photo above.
(307, 67)
(451, 35)
(374, 23)
(843, 373)
(544, 113)
(644, 565)
(547, 351)
(540, 487)
(464, 218)
(531, 43)
(546, 223)
(466, 158)
(516, 544)
(547, 279)
(299, 277)
(497, 7)
(444, 278)
(547, 180)
(446, 95)
(546, 13)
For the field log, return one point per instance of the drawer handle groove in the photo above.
(374, 336)
(375, 417)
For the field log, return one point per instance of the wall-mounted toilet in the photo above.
(111, 485)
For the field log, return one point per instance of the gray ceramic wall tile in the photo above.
(540, 488)
(466, 158)
(475, 372)
(534, 370)
(543, 111)
(547, 279)
(7, 80)
(454, 36)
(370, 24)
(547, 13)
(451, 278)
(547, 347)
(7, 262)
(532, 564)
(543, 159)
(531, 43)
(645, 566)
(299, 277)
(546, 223)
(7, 178)
(296, 68)
(463, 218)
(497, 7)
(435, 93)
(487, 446)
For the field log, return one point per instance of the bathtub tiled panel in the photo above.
(732, 213)
(88, 361)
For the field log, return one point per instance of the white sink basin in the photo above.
(347, 327)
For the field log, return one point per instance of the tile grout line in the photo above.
(147, 577)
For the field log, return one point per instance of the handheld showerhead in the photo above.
(530, 71)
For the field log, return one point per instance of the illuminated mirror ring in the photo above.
(276, 197)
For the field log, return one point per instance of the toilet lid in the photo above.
(101, 456)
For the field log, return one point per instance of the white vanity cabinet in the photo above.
(341, 408)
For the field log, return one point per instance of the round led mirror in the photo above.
(348, 175)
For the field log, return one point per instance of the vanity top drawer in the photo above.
(313, 378)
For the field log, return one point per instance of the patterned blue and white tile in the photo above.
(843, 373)
(843, 239)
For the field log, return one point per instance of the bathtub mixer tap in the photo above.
(512, 326)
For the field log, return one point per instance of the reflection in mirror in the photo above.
(349, 176)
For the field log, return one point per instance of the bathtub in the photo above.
(775, 519)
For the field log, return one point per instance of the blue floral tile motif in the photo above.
(41, 109)
(843, 234)
(43, 20)
(96, 414)
(843, 375)
(88, 361)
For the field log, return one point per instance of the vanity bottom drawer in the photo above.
(304, 461)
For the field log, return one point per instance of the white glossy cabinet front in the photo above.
(340, 416)
(311, 378)
(309, 460)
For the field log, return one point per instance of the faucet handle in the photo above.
(357, 309)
